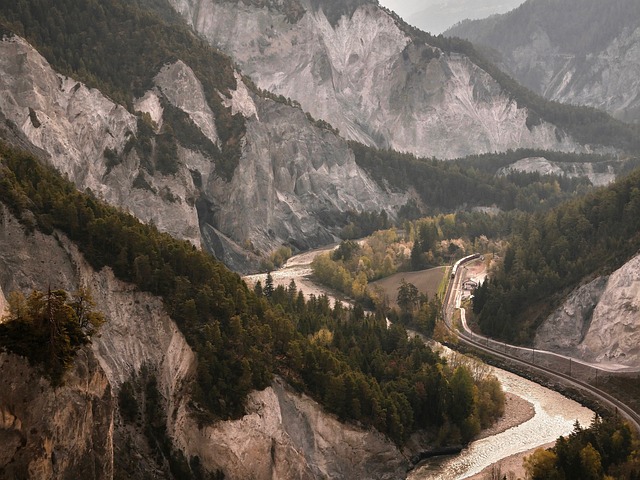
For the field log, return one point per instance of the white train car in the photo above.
(463, 260)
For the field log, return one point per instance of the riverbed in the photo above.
(554, 414)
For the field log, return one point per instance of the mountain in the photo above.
(379, 81)
(77, 430)
(209, 376)
(135, 107)
(582, 52)
(440, 15)
(178, 166)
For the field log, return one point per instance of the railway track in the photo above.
(602, 397)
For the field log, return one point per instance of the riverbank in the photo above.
(517, 411)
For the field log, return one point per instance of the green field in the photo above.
(426, 281)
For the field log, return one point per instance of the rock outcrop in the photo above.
(600, 321)
(285, 435)
(601, 175)
(48, 432)
(366, 77)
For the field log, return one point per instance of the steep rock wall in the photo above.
(600, 321)
(293, 180)
(74, 125)
(366, 77)
(49, 433)
(286, 436)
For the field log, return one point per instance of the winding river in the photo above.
(555, 414)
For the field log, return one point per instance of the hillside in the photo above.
(559, 262)
(187, 139)
(213, 340)
(172, 132)
(578, 52)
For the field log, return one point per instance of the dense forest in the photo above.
(605, 450)
(352, 363)
(551, 253)
(446, 186)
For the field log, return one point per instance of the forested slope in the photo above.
(474, 181)
(551, 253)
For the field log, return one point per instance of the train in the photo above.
(468, 258)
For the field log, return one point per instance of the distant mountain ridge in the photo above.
(584, 52)
(441, 15)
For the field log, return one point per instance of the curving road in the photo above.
(478, 342)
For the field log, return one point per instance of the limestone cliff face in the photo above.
(74, 125)
(291, 438)
(293, 180)
(367, 78)
(49, 433)
(600, 321)
(283, 435)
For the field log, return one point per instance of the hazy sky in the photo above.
(435, 16)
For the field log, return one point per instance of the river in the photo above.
(554, 416)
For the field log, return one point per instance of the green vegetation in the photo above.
(356, 366)
(352, 266)
(552, 253)
(447, 186)
(276, 260)
(416, 311)
(605, 450)
(118, 48)
(422, 244)
(361, 224)
(48, 328)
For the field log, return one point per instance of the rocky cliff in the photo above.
(363, 74)
(283, 435)
(294, 179)
(50, 432)
(598, 175)
(584, 53)
(599, 322)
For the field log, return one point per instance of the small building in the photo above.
(469, 284)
